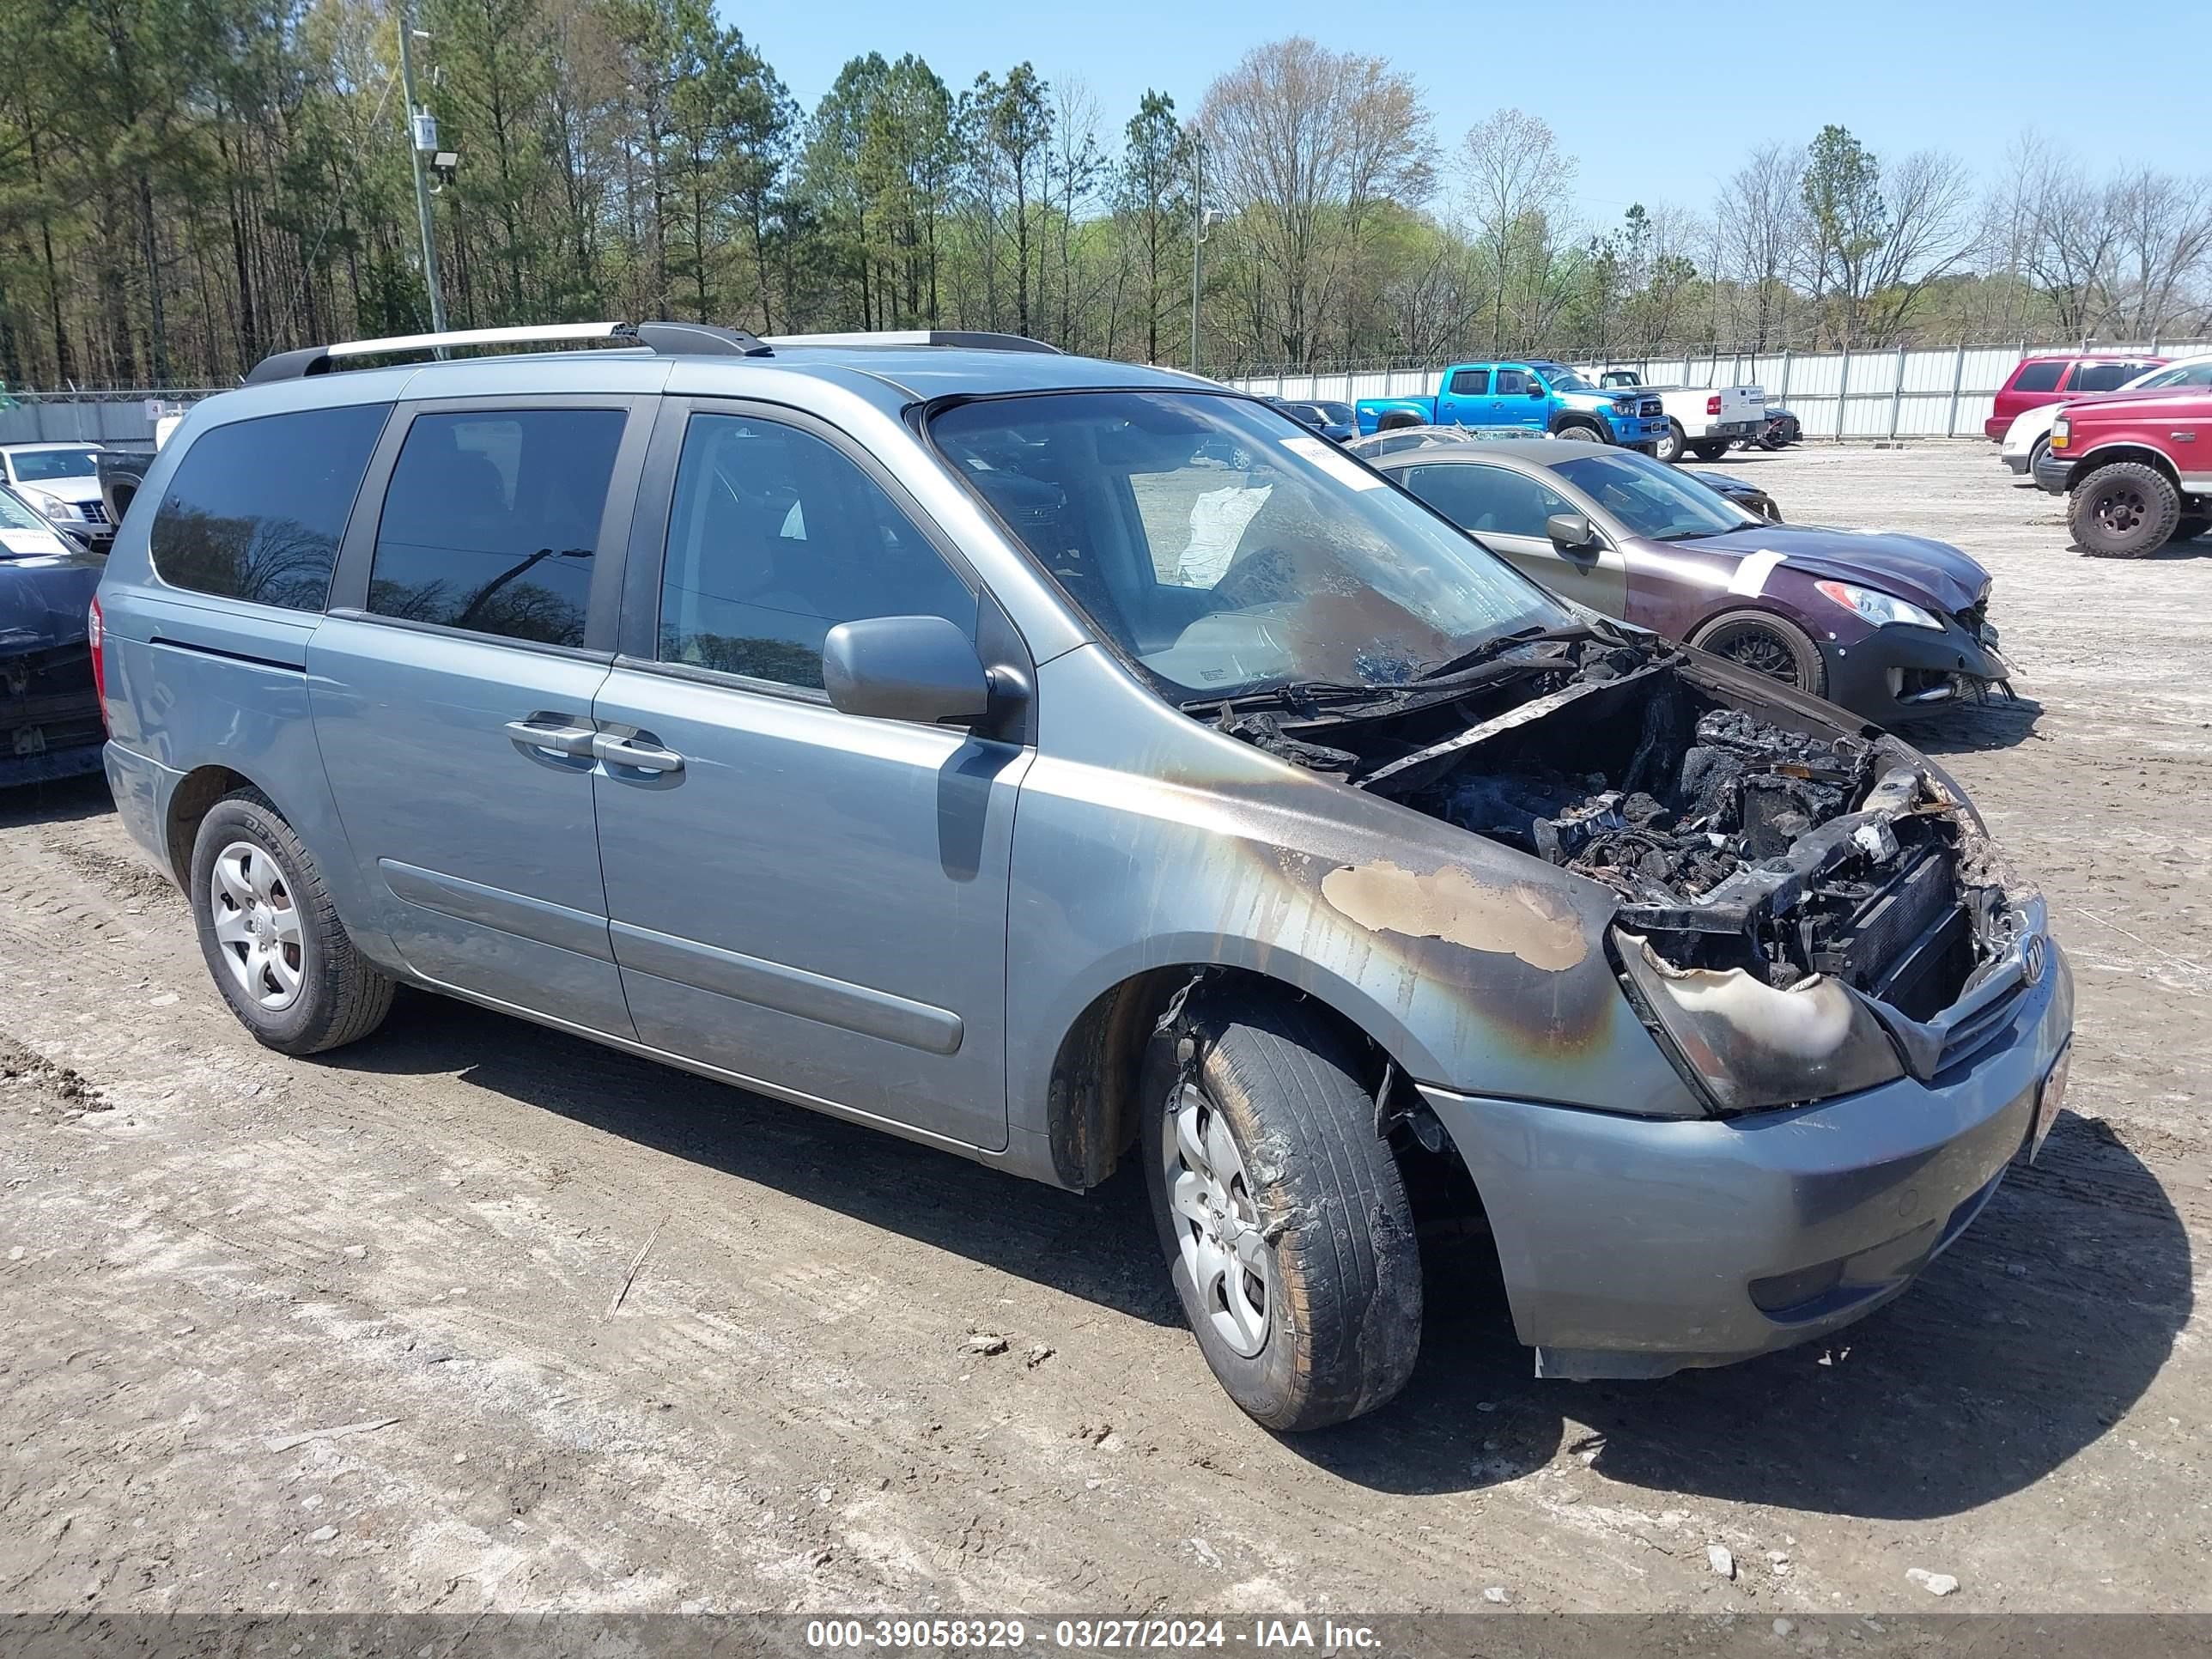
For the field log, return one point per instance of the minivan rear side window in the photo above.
(2104, 377)
(256, 508)
(491, 521)
(2038, 376)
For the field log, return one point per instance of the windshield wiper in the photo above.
(1501, 642)
(1298, 695)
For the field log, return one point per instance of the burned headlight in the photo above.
(1752, 1046)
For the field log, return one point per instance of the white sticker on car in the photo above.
(31, 541)
(1750, 578)
(1334, 461)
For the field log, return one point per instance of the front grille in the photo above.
(93, 511)
(1970, 1036)
(1652, 406)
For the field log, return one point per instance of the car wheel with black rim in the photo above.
(271, 937)
(1671, 443)
(1765, 644)
(1281, 1211)
(2123, 511)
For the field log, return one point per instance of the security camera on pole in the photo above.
(422, 142)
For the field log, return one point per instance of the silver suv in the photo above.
(1052, 761)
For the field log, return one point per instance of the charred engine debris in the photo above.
(1733, 841)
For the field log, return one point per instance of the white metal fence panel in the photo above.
(1945, 391)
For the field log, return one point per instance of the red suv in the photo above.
(2136, 468)
(2054, 379)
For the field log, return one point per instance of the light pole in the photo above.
(1201, 216)
(422, 141)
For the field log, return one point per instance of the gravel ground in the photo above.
(207, 1252)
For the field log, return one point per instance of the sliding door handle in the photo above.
(551, 734)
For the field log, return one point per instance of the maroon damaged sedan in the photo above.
(1887, 625)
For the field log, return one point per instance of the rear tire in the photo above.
(1284, 1218)
(1670, 446)
(1709, 449)
(2123, 511)
(1766, 644)
(271, 938)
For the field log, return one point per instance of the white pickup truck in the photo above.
(1704, 420)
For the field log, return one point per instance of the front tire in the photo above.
(1766, 644)
(1671, 443)
(1282, 1214)
(2123, 511)
(271, 937)
(1581, 435)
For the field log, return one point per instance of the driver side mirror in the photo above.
(922, 670)
(1572, 533)
(1535, 391)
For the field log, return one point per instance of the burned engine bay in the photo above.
(1735, 842)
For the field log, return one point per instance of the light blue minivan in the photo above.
(1045, 758)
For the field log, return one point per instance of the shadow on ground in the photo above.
(65, 801)
(1098, 1246)
(2021, 1345)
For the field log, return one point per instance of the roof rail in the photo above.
(667, 338)
(975, 339)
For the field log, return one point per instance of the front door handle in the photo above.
(639, 753)
(552, 733)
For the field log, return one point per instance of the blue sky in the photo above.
(1629, 88)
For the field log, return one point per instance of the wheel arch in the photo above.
(190, 802)
(1092, 1096)
(2078, 470)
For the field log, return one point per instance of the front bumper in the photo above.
(2019, 463)
(2054, 472)
(1897, 671)
(1631, 430)
(1636, 1248)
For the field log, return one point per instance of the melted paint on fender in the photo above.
(1451, 904)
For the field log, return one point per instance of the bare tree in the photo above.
(1928, 236)
(1300, 141)
(1518, 183)
(1760, 221)
(2162, 245)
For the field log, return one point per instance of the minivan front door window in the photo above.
(775, 538)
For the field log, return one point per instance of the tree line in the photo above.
(188, 185)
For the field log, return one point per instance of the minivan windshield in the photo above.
(1651, 499)
(1226, 549)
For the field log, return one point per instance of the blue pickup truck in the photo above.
(1542, 397)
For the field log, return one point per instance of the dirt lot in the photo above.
(206, 1251)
